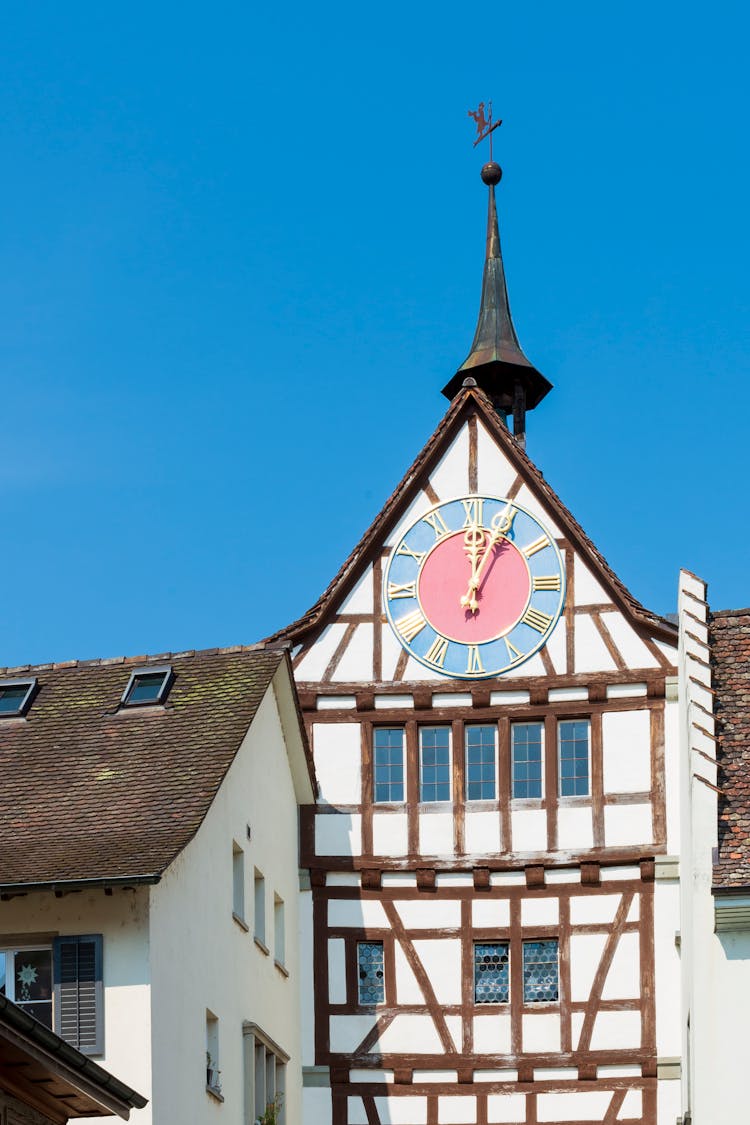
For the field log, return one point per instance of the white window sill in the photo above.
(281, 967)
(262, 946)
(241, 922)
(215, 1092)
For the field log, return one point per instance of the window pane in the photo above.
(480, 763)
(32, 978)
(388, 755)
(11, 699)
(491, 978)
(539, 971)
(526, 749)
(573, 738)
(435, 755)
(146, 689)
(370, 972)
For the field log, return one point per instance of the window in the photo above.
(265, 1073)
(526, 749)
(147, 685)
(213, 1074)
(259, 920)
(279, 939)
(388, 763)
(15, 697)
(434, 764)
(491, 973)
(238, 882)
(60, 984)
(480, 763)
(370, 972)
(540, 974)
(26, 978)
(573, 739)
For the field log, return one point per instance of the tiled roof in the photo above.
(93, 791)
(468, 400)
(729, 633)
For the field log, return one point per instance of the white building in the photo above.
(715, 924)
(149, 873)
(494, 852)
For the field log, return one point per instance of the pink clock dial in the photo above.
(502, 592)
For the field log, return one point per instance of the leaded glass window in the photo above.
(370, 972)
(526, 747)
(480, 763)
(573, 738)
(388, 765)
(435, 764)
(540, 974)
(491, 973)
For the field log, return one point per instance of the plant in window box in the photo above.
(271, 1115)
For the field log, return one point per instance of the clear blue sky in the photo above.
(235, 237)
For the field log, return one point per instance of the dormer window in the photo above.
(15, 697)
(147, 685)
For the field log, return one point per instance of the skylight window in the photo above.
(15, 697)
(147, 685)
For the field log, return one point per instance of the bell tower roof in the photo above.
(496, 360)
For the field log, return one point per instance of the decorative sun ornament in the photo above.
(27, 975)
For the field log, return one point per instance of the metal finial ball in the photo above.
(492, 173)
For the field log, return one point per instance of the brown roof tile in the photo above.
(92, 791)
(729, 635)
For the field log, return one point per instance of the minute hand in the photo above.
(501, 525)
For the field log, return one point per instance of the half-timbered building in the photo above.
(493, 901)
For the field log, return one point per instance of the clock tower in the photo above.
(492, 717)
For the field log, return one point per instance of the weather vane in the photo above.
(485, 125)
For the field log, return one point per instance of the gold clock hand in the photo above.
(501, 525)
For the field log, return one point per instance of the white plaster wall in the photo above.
(492, 1034)
(450, 477)
(626, 751)
(588, 591)
(490, 912)
(529, 830)
(626, 825)
(575, 828)
(495, 474)
(506, 1108)
(390, 833)
(436, 833)
(337, 970)
(123, 921)
(584, 1105)
(632, 649)
(338, 762)
(429, 914)
(360, 599)
(541, 1033)
(442, 963)
(338, 834)
(591, 653)
(201, 958)
(482, 832)
(356, 661)
(306, 975)
(667, 967)
(313, 665)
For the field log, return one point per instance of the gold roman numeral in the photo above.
(405, 549)
(436, 652)
(410, 624)
(513, 652)
(474, 660)
(473, 508)
(538, 545)
(438, 524)
(546, 582)
(402, 590)
(536, 619)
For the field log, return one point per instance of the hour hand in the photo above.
(474, 539)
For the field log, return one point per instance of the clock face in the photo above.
(475, 586)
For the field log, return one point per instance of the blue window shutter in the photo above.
(78, 992)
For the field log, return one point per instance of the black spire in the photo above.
(496, 361)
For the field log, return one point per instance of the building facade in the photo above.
(489, 932)
(149, 859)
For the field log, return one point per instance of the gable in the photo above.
(603, 629)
